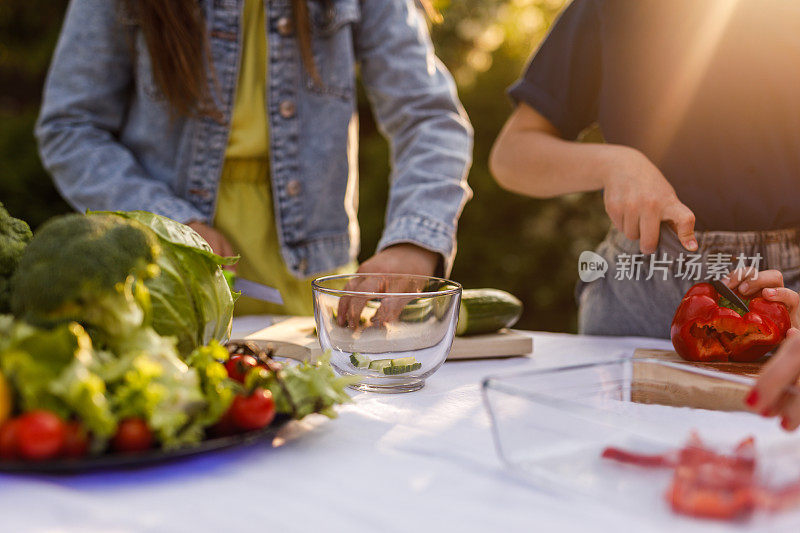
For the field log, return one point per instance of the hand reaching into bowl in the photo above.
(398, 259)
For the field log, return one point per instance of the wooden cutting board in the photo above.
(295, 338)
(669, 386)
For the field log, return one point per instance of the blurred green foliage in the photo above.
(528, 247)
(28, 32)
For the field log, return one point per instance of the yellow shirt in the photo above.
(248, 137)
(245, 213)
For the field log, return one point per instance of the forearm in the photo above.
(539, 164)
(93, 171)
(416, 105)
(530, 157)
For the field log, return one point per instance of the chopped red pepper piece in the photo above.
(703, 329)
(711, 485)
(706, 484)
(639, 459)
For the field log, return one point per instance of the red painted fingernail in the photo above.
(766, 413)
(785, 423)
(752, 398)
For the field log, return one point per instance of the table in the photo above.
(423, 461)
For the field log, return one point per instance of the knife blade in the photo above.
(729, 295)
(257, 290)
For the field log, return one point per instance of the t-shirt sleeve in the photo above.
(562, 80)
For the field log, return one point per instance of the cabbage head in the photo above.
(190, 299)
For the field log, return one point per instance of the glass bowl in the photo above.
(551, 425)
(392, 330)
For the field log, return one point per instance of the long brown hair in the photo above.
(177, 42)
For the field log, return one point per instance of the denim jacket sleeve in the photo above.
(85, 103)
(417, 108)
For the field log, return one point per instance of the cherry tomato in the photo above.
(9, 439)
(76, 440)
(238, 366)
(133, 435)
(41, 435)
(253, 412)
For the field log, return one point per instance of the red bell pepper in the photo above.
(703, 329)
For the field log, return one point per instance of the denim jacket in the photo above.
(107, 136)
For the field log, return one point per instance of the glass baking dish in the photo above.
(551, 426)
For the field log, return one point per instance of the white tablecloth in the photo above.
(422, 461)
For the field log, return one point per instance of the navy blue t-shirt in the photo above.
(708, 90)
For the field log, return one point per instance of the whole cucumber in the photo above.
(487, 311)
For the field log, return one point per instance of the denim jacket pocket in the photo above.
(332, 42)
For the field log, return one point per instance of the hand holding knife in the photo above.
(729, 295)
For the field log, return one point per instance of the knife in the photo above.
(253, 289)
(729, 295)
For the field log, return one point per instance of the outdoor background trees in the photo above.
(528, 247)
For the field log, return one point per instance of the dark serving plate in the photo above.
(152, 457)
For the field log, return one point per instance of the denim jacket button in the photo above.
(285, 26)
(293, 188)
(287, 109)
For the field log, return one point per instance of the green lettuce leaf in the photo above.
(304, 388)
(55, 370)
(217, 389)
(150, 381)
(86, 395)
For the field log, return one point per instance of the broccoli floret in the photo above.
(14, 236)
(86, 269)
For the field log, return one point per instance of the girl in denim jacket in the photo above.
(238, 117)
